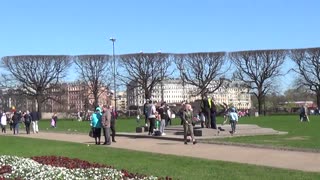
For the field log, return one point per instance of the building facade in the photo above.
(68, 97)
(232, 92)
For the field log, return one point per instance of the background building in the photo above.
(232, 92)
(69, 97)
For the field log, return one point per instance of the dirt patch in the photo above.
(297, 138)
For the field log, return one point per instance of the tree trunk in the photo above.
(260, 100)
(147, 94)
(162, 92)
(39, 105)
(96, 101)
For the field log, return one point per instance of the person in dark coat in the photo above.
(27, 121)
(16, 122)
(205, 109)
(34, 120)
(213, 113)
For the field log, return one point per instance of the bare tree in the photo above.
(308, 68)
(37, 76)
(144, 70)
(258, 70)
(202, 70)
(96, 72)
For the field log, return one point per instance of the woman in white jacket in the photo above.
(3, 122)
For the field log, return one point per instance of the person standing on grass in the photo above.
(96, 125)
(187, 124)
(114, 116)
(304, 113)
(3, 122)
(27, 121)
(55, 119)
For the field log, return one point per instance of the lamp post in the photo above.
(114, 74)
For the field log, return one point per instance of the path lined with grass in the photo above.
(305, 161)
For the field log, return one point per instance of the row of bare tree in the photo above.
(38, 76)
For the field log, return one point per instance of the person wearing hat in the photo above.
(96, 125)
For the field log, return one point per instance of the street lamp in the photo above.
(114, 74)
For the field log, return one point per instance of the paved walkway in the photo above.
(305, 161)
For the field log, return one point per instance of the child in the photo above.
(52, 123)
(233, 115)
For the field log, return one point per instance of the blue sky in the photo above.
(75, 27)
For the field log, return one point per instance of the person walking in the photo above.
(233, 115)
(106, 123)
(27, 121)
(187, 124)
(96, 125)
(114, 116)
(3, 123)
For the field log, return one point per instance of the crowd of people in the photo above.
(157, 118)
(15, 118)
(103, 120)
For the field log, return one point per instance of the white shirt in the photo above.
(233, 116)
(152, 111)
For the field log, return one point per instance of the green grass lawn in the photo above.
(300, 134)
(147, 163)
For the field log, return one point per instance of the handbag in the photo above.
(91, 132)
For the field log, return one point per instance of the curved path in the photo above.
(296, 160)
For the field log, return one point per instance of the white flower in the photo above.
(29, 169)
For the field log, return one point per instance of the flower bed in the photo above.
(53, 167)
